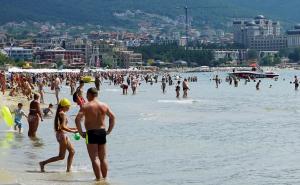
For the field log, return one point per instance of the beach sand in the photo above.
(12, 102)
(6, 177)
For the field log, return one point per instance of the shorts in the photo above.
(18, 123)
(97, 136)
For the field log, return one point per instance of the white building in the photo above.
(18, 53)
(259, 33)
(234, 55)
(293, 37)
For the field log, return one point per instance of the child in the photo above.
(47, 110)
(61, 128)
(19, 113)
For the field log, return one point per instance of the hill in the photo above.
(104, 12)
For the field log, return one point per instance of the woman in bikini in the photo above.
(61, 127)
(34, 116)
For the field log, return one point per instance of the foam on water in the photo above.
(182, 101)
(113, 90)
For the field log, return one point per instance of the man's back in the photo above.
(94, 113)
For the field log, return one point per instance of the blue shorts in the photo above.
(18, 123)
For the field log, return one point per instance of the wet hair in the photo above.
(93, 91)
(81, 82)
(20, 105)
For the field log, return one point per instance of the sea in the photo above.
(217, 136)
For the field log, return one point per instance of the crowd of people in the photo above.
(32, 86)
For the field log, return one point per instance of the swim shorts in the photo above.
(18, 123)
(97, 136)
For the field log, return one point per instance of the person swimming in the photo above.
(48, 110)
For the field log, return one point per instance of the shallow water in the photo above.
(217, 136)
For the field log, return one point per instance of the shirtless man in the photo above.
(185, 87)
(94, 113)
(57, 83)
(41, 89)
(97, 83)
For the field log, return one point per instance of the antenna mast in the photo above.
(186, 24)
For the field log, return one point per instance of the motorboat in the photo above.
(255, 72)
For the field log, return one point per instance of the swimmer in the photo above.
(185, 87)
(57, 84)
(61, 127)
(296, 82)
(163, 84)
(48, 110)
(257, 85)
(125, 88)
(177, 89)
(217, 80)
(94, 113)
(97, 83)
(34, 116)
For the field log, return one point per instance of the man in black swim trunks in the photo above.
(94, 113)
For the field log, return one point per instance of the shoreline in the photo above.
(12, 101)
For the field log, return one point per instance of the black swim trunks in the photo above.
(97, 136)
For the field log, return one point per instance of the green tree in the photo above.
(267, 60)
(108, 61)
(252, 54)
(5, 60)
(295, 55)
(284, 52)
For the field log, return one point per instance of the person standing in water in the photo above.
(257, 85)
(34, 116)
(19, 113)
(79, 94)
(61, 127)
(57, 83)
(185, 87)
(94, 113)
(163, 84)
(217, 80)
(296, 82)
(97, 83)
(41, 89)
(134, 84)
(72, 86)
(177, 89)
(3, 82)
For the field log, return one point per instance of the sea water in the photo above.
(224, 135)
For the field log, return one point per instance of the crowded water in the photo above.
(226, 135)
